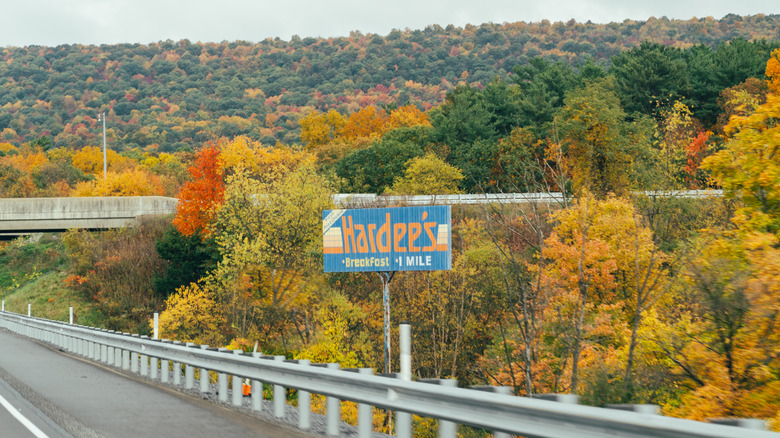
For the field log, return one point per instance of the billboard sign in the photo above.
(387, 239)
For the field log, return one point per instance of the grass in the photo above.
(51, 299)
(34, 272)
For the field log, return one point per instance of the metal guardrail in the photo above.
(163, 360)
(369, 199)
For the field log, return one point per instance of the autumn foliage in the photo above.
(200, 196)
(620, 290)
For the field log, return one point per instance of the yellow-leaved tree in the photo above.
(269, 234)
(192, 315)
(428, 175)
(90, 160)
(724, 336)
(728, 351)
(320, 128)
(602, 276)
(133, 182)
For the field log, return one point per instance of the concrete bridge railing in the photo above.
(56, 214)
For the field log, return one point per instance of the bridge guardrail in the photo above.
(359, 199)
(491, 410)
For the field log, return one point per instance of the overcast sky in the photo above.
(53, 22)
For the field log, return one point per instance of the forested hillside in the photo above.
(179, 94)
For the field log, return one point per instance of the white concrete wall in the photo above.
(65, 213)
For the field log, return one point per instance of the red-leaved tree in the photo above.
(200, 197)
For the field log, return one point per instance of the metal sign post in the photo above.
(386, 277)
(102, 117)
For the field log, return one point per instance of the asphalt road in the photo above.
(19, 418)
(63, 396)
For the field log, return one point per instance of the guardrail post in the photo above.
(176, 369)
(447, 429)
(506, 390)
(110, 353)
(304, 403)
(638, 408)
(134, 360)
(205, 385)
(189, 372)
(118, 356)
(223, 382)
(164, 374)
(257, 390)
(280, 396)
(403, 420)
(745, 423)
(238, 396)
(571, 399)
(333, 408)
(144, 361)
(153, 367)
(204, 377)
(103, 353)
(126, 360)
(365, 419)
(223, 387)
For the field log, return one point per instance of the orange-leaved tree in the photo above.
(603, 275)
(773, 71)
(200, 197)
(579, 276)
(369, 121)
(408, 116)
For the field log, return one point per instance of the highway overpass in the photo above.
(21, 216)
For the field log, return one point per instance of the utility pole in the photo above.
(102, 116)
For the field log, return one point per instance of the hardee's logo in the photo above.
(387, 237)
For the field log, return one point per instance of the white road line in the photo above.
(22, 419)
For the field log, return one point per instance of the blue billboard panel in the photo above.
(387, 239)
